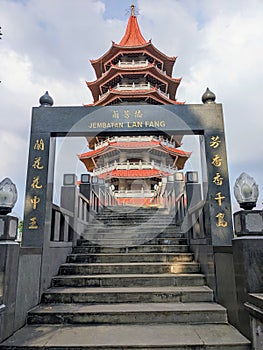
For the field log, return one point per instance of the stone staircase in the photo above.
(115, 294)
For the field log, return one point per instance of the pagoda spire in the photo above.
(133, 9)
(133, 35)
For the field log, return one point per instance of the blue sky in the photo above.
(117, 9)
(50, 42)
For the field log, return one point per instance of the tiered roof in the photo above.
(89, 158)
(134, 71)
(108, 72)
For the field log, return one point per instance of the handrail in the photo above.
(196, 207)
(2, 307)
(100, 198)
(194, 221)
(61, 224)
(62, 210)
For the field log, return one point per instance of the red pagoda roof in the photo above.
(114, 71)
(132, 41)
(115, 49)
(88, 157)
(133, 35)
(153, 93)
(132, 145)
(113, 68)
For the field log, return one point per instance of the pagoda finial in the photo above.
(133, 35)
(133, 9)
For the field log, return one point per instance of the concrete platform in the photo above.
(121, 337)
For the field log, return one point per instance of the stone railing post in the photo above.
(248, 261)
(69, 200)
(9, 259)
(255, 309)
(247, 248)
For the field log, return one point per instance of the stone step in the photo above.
(128, 268)
(132, 209)
(171, 230)
(128, 295)
(139, 280)
(131, 218)
(132, 249)
(130, 313)
(126, 224)
(123, 237)
(115, 226)
(159, 227)
(121, 240)
(156, 241)
(128, 337)
(129, 233)
(130, 257)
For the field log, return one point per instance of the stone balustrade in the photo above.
(134, 166)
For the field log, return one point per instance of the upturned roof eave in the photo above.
(109, 97)
(172, 83)
(118, 145)
(99, 62)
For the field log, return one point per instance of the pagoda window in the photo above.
(134, 101)
(134, 160)
(111, 84)
(133, 57)
(155, 82)
(151, 101)
(114, 61)
(116, 101)
(117, 59)
(157, 63)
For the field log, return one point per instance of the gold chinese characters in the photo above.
(35, 184)
(218, 180)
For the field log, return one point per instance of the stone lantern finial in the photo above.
(246, 191)
(8, 196)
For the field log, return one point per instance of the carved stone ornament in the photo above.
(246, 191)
(8, 196)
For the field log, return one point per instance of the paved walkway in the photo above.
(169, 336)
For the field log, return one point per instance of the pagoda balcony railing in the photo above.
(134, 87)
(140, 138)
(133, 63)
(135, 194)
(135, 166)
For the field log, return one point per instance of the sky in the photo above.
(47, 45)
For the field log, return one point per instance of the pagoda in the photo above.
(134, 72)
